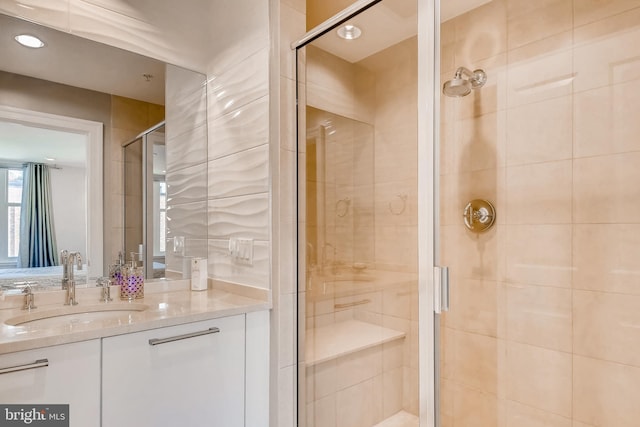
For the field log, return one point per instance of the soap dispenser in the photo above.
(116, 270)
(132, 286)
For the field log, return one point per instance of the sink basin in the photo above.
(75, 315)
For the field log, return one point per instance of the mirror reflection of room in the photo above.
(145, 192)
(43, 198)
(83, 82)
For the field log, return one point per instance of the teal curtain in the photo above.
(37, 232)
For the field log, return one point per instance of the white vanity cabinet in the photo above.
(191, 375)
(63, 374)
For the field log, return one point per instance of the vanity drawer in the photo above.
(62, 374)
(191, 375)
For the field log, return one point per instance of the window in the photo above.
(10, 205)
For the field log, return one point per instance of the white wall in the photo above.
(68, 190)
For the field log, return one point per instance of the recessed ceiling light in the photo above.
(28, 40)
(349, 32)
(50, 159)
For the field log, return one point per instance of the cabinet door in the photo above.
(72, 377)
(196, 381)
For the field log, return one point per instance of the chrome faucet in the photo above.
(29, 298)
(69, 259)
(64, 255)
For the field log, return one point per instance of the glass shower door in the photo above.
(358, 186)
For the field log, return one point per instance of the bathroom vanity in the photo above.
(189, 358)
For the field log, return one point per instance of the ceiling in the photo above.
(80, 62)
(386, 24)
(73, 61)
(21, 143)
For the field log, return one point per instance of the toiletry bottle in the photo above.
(115, 270)
(133, 281)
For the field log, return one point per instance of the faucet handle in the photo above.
(104, 283)
(29, 298)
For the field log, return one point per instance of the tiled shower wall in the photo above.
(543, 325)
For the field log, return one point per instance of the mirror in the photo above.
(145, 208)
(101, 97)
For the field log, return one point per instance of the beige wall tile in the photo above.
(606, 52)
(539, 194)
(579, 424)
(539, 254)
(448, 392)
(605, 393)
(540, 316)
(476, 361)
(411, 393)
(605, 120)
(607, 326)
(519, 415)
(539, 377)
(392, 392)
(604, 257)
(320, 380)
(447, 351)
(358, 367)
(603, 190)
(540, 70)
(540, 132)
(586, 11)
(392, 148)
(322, 412)
(530, 23)
(479, 142)
(475, 408)
(481, 33)
(474, 307)
(469, 255)
(360, 405)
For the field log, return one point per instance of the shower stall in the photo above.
(145, 200)
(468, 235)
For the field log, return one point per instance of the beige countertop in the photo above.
(168, 303)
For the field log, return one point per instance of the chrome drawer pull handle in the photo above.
(40, 363)
(156, 341)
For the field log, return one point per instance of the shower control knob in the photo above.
(479, 215)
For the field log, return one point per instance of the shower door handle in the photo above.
(440, 289)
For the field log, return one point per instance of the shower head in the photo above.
(460, 86)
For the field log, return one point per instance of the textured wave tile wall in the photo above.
(187, 112)
(187, 149)
(246, 172)
(187, 219)
(241, 129)
(239, 85)
(243, 216)
(187, 185)
(223, 267)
